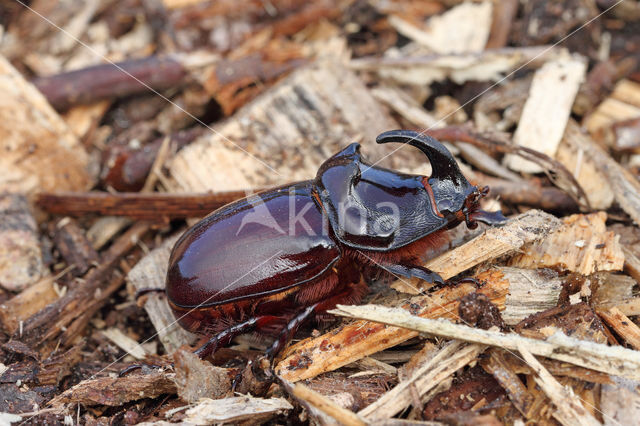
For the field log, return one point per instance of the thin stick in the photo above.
(151, 206)
(612, 360)
(568, 408)
(324, 404)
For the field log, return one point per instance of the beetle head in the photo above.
(456, 199)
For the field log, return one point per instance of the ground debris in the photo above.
(115, 391)
(124, 123)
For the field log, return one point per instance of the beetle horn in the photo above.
(443, 165)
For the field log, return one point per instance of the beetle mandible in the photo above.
(262, 264)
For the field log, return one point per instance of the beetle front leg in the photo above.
(411, 271)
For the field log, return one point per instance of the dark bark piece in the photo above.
(578, 321)
(544, 22)
(75, 249)
(58, 366)
(68, 315)
(476, 309)
(468, 388)
(115, 391)
(155, 207)
(16, 401)
(111, 81)
(531, 193)
(24, 371)
(127, 168)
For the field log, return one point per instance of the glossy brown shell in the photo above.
(246, 249)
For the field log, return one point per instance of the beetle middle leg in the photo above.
(225, 336)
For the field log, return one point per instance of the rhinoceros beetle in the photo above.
(268, 262)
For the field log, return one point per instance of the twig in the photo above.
(555, 170)
(612, 360)
(568, 408)
(106, 81)
(150, 206)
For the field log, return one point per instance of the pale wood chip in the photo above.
(327, 406)
(463, 28)
(582, 245)
(569, 410)
(622, 104)
(237, 409)
(39, 152)
(544, 117)
(530, 291)
(125, 342)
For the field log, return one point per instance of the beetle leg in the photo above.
(414, 271)
(224, 337)
(289, 330)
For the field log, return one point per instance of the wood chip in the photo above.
(150, 273)
(612, 360)
(626, 328)
(569, 410)
(292, 129)
(21, 263)
(594, 182)
(125, 342)
(26, 303)
(356, 340)
(622, 183)
(544, 117)
(196, 379)
(463, 28)
(447, 361)
(39, 152)
(497, 365)
(235, 410)
(622, 104)
(115, 391)
(489, 65)
(530, 291)
(582, 245)
(327, 406)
